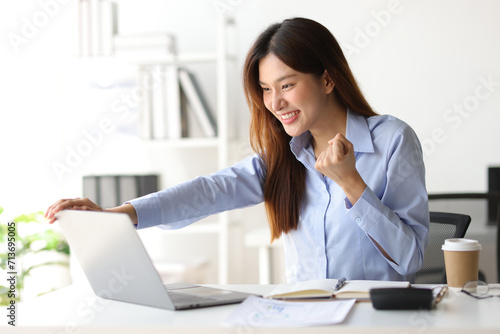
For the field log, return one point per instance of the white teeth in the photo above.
(290, 115)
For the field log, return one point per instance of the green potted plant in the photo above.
(34, 238)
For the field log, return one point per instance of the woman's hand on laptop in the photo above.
(70, 204)
(88, 205)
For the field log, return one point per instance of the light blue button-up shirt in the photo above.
(333, 238)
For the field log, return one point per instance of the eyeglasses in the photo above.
(438, 296)
(480, 290)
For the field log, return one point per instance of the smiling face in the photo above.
(301, 101)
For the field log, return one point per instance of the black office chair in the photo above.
(443, 225)
(493, 198)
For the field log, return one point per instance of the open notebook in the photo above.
(325, 288)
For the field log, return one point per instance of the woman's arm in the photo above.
(339, 164)
(395, 214)
(234, 187)
(397, 219)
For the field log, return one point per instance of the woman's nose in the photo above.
(278, 102)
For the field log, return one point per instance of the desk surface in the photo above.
(75, 309)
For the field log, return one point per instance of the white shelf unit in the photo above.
(179, 59)
(221, 59)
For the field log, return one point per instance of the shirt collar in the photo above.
(357, 132)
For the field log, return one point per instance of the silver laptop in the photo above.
(118, 266)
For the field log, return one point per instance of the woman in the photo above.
(343, 186)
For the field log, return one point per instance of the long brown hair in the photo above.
(308, 47)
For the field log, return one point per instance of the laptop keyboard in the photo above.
(182, 298)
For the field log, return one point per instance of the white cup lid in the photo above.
(461, 244)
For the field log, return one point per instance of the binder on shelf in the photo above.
(108, 191)
(146, 184)
(127, 188)
(198, 103)
(113, 190)
(91, 188)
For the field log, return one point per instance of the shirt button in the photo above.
(359, 220)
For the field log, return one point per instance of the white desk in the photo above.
(75, 309)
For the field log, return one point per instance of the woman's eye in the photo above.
(286, 86)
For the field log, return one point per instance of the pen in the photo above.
(340, 283)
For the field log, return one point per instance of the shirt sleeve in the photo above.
(398, 219)
(234, 187)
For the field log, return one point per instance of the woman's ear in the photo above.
(328, 82)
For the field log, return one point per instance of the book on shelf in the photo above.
(160, 111)
(325, 288)
(145, 106)
(158, 107)
(109, 25)
(165, 104)
(95, 27)
(159, 42)
(186, 120)
(83, 19)
(97, 33)
(96, 23)
(113, 190)
(173, 102)
(197, 103)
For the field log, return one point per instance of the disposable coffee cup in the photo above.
(461, 258)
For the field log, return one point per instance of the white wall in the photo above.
(428, 59)
(31, 114)
(418, 60)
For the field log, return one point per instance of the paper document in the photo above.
(263, 312)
